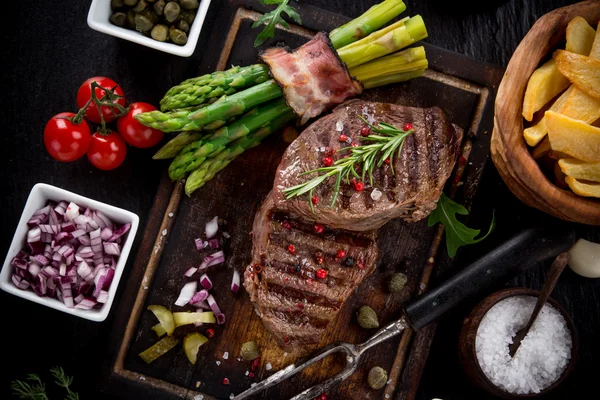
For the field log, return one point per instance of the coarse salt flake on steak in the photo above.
(313, 77)
(411, 192)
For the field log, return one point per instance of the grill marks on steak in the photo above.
(427, 160)
(294, 304)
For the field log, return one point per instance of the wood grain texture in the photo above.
(49, 51)
(510, 153)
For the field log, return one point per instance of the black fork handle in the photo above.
(524, 250)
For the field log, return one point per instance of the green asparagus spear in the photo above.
(195, 153)
(215, 113)
(195, 93)
(394, 78)
(411, 31)
(373, 19)
(210, 167)
(410, 59)
(202, 80)
(175, 145)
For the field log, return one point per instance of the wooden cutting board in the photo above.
(463, 87)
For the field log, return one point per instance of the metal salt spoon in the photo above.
(554, 272)
(512, 257)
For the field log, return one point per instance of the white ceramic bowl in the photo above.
(37, 199)
(98, 19)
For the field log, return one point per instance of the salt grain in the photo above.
(198, 397)
(164, 232)
(231, 396)
(225, 355)
(339, 126)
(247, 373)
(542, 356)
(218, 362)
(376, 194)
(268, 367)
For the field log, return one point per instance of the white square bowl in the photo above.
(37, 199)
(98, 19)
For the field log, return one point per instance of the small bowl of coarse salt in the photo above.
(545, 358)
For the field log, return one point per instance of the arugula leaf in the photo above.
(457, 233)
(271, 19)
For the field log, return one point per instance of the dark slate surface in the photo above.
(51, 51)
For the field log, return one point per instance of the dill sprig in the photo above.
(37, 390)
(385, 144)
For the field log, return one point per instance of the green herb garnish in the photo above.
(271, 19)
(37, 390)
(457, 233)
(383, 146)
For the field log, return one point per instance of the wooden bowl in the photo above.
(510, 153)
(468, 334)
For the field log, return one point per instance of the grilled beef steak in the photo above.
(294, 299)
(411, 192)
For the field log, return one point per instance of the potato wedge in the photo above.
(573, 137)
(595, 52)
(591, 189)
(582, 71)
(535, 134)
(580, 36)
(544, 84)
(582, 106)
(580, 169)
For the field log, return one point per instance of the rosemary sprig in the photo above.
(64, 381)
(364, 158)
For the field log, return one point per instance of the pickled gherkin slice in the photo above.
(158, 349)
(165, 317)
(191, 345)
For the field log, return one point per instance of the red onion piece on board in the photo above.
(212, 227)
(206, 282)
(187, 292)
(235, 282)
(215, 309)
(191, 271)
(199, 297)
(213, 259)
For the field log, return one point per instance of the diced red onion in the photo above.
(61, 208)
(213, 243)
(186, 294)
(202, 305)
(120, 232)
(64, 241)
(86, 304)
(235, 281)
(39, 216)
(213, 304)
(190, 272)
(85, 271)
(102, 297)
(34, 269)
(220, 318)
(213, 259)
(199, 297)
(40, 284)
(111, 248)
(106, 233)
(20, 282)
(34, 235)
(72, 211)
(50, 271)
(212, 227)
(206, 282)
(68, 227)
(200, 244)
(85, 240)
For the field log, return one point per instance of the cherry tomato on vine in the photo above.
(107, 152)
(133, 132)
(64, 139)
(84, 94)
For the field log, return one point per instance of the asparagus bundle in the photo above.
(372, 55)
(209, 88)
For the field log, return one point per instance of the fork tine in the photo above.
(292, 369)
